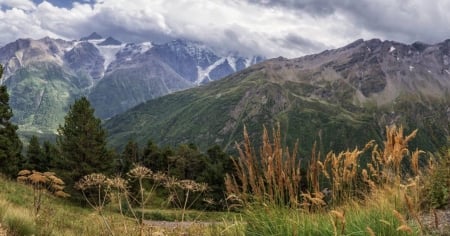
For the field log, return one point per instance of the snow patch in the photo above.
(249, 62)
(145, 46)
(109, 53)
(392, 49)
(232, 62)
(448, 72)
(204, 73)
(411, 68)
(95, 41)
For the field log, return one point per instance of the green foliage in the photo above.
(185, 162)
(40, 96)
(10, 144)
(189, 163)
(155, 158)
(35, 159)
(437, 190)
(275, 220)
(83, 146)
(50, 155)
(326, 111)
(130, 156)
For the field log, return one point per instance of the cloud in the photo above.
(313, 7)
(408, 20)
(289, 28)
(402, 20)
(21, 4)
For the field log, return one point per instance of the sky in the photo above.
(271, 28)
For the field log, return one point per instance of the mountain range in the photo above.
(45, 76)
(338, 98)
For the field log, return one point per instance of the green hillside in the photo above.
(320, 110)
(41, 95)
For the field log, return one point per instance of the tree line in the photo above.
(81, 149)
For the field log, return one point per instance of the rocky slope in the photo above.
(339, 98)
(44, 76)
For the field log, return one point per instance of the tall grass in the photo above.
(360, 191)
(273, 177)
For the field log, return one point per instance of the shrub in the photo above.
(437, 188)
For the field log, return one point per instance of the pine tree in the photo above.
(82, 142)
(50, 155)
(130, 156)
(153, 158)
(10, 144)
(34, 157)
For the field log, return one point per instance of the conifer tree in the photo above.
(50, 155)
(130, 156)
(153, 158)
(34, 159)
(82, 142)
(10, 144)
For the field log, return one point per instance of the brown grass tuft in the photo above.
(273, 177)
(370, 231)
(405, 228)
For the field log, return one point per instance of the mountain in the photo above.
(45, 76)
(110, 41)
(338, 98)
(92, 36)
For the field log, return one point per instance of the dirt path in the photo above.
(177, 228)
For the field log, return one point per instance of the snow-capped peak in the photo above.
(145, 46)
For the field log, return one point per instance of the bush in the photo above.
(437, 188)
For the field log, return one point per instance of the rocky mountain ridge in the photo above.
(340, 98)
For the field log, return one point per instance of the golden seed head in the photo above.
(140, 172)
(37, 178)
(405, 228)
(24, 172)
(118, 183)
(92, 180)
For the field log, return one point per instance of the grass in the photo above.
(369, 193)
(355, 218)
(61, 217)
